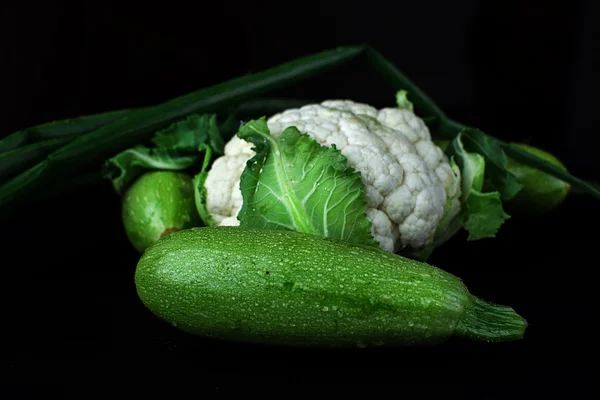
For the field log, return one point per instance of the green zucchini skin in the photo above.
(288, 288)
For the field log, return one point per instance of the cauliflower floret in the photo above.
(410, 186)
(223, 196)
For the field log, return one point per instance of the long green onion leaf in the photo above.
(140, 125)
(25, 148)
(20, 159)
(529, 159)
(70, 128)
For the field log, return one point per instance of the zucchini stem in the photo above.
(490, 322)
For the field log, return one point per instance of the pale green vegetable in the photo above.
(158, 203)
(541, 192)
(155, 183)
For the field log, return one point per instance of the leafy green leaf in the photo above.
(402, 100)
(481, 213)
(475, 141)
(294, 183)
(485, 215)
(200, 191)
(126, 166)
(191, 133)
(178, 147)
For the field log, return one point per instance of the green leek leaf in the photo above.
(128, 165)
(68, 128)
(191, 133)
(17, 160)
(139, 125)
(475, 141)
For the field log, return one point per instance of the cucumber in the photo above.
(541, 192)
(279, 287)
(157, 204)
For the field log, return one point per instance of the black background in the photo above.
(521, 71)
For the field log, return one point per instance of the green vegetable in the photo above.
(17, 160)
(158, 194)
(24, 149)
(64, 129)
(52, 136)
(178, 148)
(294, 183)
(444, 127)
(540, 192)
(289, 288)
(126, 166)
(104, 142)
(191, 134)
(62, 164)
(157, 204)
(479, 158)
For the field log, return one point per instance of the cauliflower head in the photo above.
(412, 190)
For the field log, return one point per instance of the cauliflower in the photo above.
(411, 189)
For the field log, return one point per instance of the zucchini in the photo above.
(280, 287)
